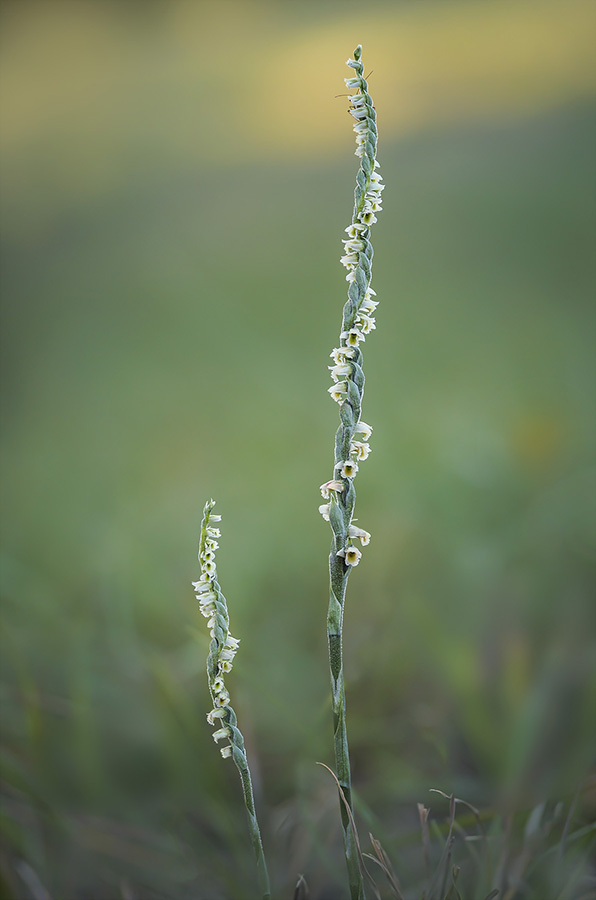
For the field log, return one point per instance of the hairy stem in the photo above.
(347, 391)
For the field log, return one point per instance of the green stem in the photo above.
(241, 762)
(356, 322)
(339, 580)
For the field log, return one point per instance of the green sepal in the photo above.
(358, 377)
(221, 607)
(354, 292)
(358, 357)
(239, 758)
(334, 613)
(354, 398)
(367, 250)
(343, 437)
(212, 668)
(364, 263)
(337, 571)
(230, 717)
(350, 311)
(236, 737)
(361, 278)
(336, 520)
(346, 414)
(349, 498)
(219, 634)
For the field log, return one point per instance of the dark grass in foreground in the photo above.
(545, 854)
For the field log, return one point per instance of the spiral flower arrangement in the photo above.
(351, 449)
(351, 439)
(222, 650)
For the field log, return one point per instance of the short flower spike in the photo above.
(222, 650)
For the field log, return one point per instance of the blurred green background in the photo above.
(176, 178)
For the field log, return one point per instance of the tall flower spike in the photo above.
(357, 323)
(222, 650)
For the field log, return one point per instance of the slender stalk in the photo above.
(340, 735)
(222, 651)
(347, 391)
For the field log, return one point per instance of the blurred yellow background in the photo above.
(107, 87)
(175, 179)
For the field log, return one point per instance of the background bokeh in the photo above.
(176, 178)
